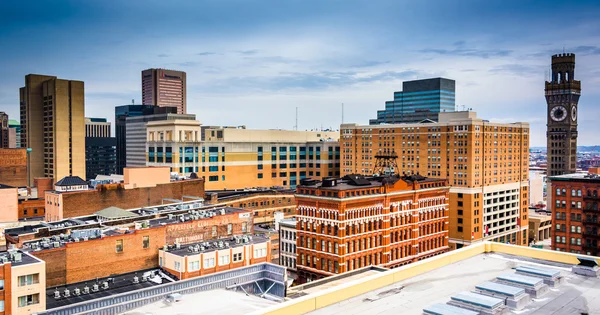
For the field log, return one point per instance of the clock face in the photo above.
(574, 113)
(558, 113)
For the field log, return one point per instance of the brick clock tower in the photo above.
(562, 96)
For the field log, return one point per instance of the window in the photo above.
(177, 266)
(119, 247)
(213, 178)
(258, 253)
(237, 257)
(209, 262)
(229, 229)
(223, 260)
(28, 279)
(29, 300)
(146, 242)
(244, 227)
(193, 265)
(260, 175)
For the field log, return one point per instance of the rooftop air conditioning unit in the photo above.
(86, 290)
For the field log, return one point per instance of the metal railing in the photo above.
(266, 274)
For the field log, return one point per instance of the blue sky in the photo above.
(253, 62)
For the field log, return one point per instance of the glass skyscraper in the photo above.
(419, 100)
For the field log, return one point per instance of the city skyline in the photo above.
(246, 59)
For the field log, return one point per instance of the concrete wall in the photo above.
(146, 176)
(250, 135)
(36, 288)
(9, 205)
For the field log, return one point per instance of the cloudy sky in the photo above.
(253, 62)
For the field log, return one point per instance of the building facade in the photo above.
(562, 96)
(199, 259)
(100, 148)
(121, 114)
(23, 283)
(162, 87)
(174, 143)
(486, 164)
(264, 203)
(52, 125)
(537, 188)
(419, 100)
(235, 158)
(13, 167)
(575, 212)
(287, 244)
(4, 130)
(347, 224)
(136, 135)
(16, 126)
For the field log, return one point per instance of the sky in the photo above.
(254, 62)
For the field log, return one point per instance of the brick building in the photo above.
(200, 259)
(347, 224)
(22, 283)
(133, 193)
(85, 248)
(486, 164)
(13, 167)
(264, 203)
(574, 201)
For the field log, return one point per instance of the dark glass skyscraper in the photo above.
(419, 100)
(121, 114)
(100, 148)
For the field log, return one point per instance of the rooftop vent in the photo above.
(329, 182)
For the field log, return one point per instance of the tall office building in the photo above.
(562, 96)
(4, 138)
(419, 100)
(163, 87)
(16, 126)
(53, 126)
(486, 164)
(100, 148)
(136, 135)
(121, 114)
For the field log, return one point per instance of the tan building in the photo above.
(52, 125)
(162, 87)
(540, 225)
(23, 281)
(486, 164)
(97, 128)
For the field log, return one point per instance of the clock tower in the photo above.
(562, 96)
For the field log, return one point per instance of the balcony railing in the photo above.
(591, 221)
(591, 235)
(593, 197)
(589, 209)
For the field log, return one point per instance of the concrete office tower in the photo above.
(136, 136)
(4, 137)
(419, 100)
(163, 87)
(562, 96)
(486, 163)
(52, 125)
(100, 148)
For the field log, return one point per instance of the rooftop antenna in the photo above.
(296, 126)
(132, 101)
(342, 113)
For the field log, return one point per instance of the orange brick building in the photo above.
(347, 224)
(201, 259)
(85, 248)
(70, 204)
(13, 167)
(264, 203)
(486, 164)
(574, 200)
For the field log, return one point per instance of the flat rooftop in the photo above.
(216, 302)
(214, 245)
(116, 284)
(578, 177)
(578, 294)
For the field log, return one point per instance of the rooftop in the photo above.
(115, 213)
(411, 288)
(17, 258)
(578, 177)
(216, 302)
(355, 181)
(71, 181)
(115, 284)
(288, 222)
(205, 247)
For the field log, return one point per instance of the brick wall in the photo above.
(13, 167)
(27, 208)
(56, 265)
(85, 203)
(264, 205)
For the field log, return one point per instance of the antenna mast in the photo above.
(342, 113)
(296, 126)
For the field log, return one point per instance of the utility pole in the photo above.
(342, 113)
